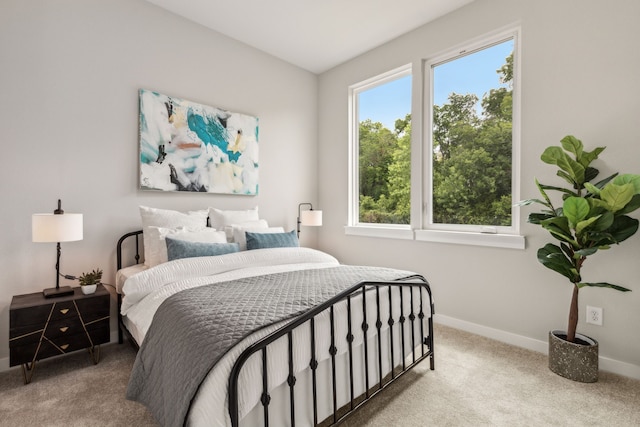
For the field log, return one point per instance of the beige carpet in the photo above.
(72, 391)
(477, 382)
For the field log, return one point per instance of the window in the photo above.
(465, 181)
(381, 143)
(471, 156)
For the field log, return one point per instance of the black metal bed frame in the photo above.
(121, 326)
(407, 289)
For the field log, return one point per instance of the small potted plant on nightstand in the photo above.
(89, 281)
(589, 217)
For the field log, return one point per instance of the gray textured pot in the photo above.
(575, 361)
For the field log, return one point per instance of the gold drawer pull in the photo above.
(64, 346)
(64, 329)
(64, 311)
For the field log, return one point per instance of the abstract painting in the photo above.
(185, 146)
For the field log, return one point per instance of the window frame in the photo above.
(354, 152)
(483, 235)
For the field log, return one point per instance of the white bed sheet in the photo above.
(144, 292)
(124, 273)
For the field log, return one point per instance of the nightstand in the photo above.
(42, 327)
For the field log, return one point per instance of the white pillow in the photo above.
(229, 229)
(157, 235)
(219, 218)
(152, 217)
(240, 237)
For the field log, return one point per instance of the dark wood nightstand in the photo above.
(42, 327)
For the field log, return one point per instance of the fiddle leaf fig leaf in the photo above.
(629, 178)
(590, 173)
(567, 177)
(537, 218)
(576, 209)
(605, 181)
(605, 220)
(604, 285)
(560, 189)
(551, 155)
(556, 156)
(589, 156)
(542, 189)
(623, 227)
(552, 257)
(530, 201)
(587, 252)
(631, 206)
(584, 225)
(572, 145)
(616, 196)
(592, 188)
(568, 251)
(599, 204)
(559, 228)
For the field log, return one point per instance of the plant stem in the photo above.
(573, 315)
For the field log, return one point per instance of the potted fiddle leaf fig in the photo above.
(589, 217)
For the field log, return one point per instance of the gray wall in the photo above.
(580, 66)
(69, 78)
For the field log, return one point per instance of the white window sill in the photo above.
(385, 231)
(510, 241)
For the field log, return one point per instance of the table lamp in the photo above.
(56, 227)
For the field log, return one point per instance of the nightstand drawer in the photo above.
(94, 308)
(63, 310)
(39, 314)
(23, 335)
(29, 316)
(61, 345)
(62, 328)
(23, 352)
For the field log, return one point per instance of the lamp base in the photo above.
(57, 292)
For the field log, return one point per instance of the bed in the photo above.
(344, 335)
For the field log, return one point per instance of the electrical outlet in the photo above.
(594, 315)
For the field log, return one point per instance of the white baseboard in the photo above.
(605, 363)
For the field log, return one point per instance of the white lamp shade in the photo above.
(311, 218)
(56, 227)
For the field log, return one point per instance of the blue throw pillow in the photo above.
(271, 240)
(177, 249)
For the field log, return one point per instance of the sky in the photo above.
(475, 73)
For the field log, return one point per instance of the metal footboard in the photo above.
(414, 291)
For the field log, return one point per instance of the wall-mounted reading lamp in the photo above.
(308, 218)
(56, 227)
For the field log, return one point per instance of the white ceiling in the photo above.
(313, 34)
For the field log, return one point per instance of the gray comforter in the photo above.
(194, 328)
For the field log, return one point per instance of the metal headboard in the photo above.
(137, 235)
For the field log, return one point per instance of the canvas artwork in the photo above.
(185, 146)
